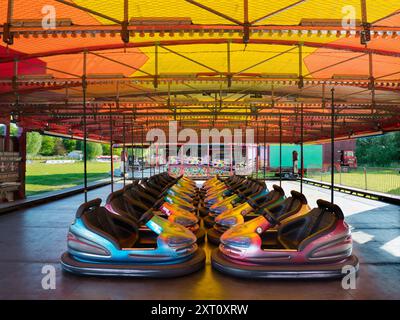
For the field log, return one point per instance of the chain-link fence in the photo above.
(385, 180)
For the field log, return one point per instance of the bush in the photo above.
(48, 144)
(380, 151)
(69, 145)
(106, 149)
(79, 145)
(59, 148)
(33, 143)
(93, 150)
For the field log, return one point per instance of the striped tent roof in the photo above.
(227, 63)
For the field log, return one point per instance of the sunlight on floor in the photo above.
(361, 237)
(392, 247)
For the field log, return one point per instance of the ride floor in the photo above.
(32, 238)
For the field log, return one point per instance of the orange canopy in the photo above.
(227, 64)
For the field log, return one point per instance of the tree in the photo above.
(33, 143)
(59, 148)
(13, 130)
(93, 150)
(69, 145)
(79, 145)
(106, 149)
(382, 150)
(48, 144)
(117, 151)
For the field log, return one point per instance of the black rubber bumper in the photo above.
(213, 236)
(203, 211)
(200, 235)
(276, 271)
(208, 221)
(195, 263)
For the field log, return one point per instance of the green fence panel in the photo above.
(312, 155)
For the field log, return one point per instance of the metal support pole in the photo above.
(365, 35)
(7, 135)
(15, 92)
(208, 159)
(257, 152)
(15, 79)
(372, 81)
(280, 150)
(132, 151)
(126, 10)
(365, 178)
(265, 147)
(182, 164)
(231, 162)
(22, 166)
(301, 78)
(8, 37)
(10, 11)
(155, 84)
(228, 52)
(302, 147)
(124, 148)
(157, 168)
(84, 89)
(332, 143)
(111, 151)
(163, 157)
(160, 153)
(125, 23)
(246, 23)
(142, 151)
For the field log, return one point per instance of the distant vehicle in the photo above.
(347, 160)
(76, 154)
(344, 161)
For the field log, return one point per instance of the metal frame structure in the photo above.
(84, 106)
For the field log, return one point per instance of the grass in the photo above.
(379, 180)
(42, 177)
